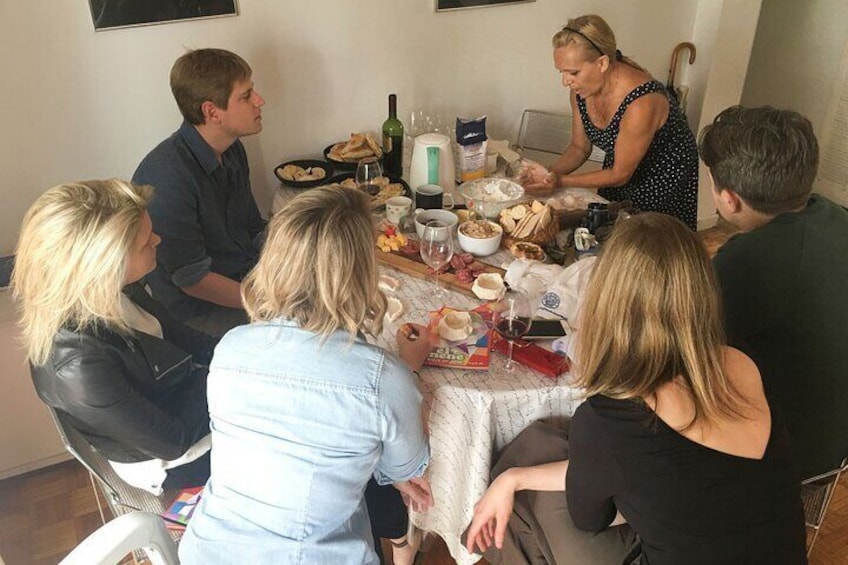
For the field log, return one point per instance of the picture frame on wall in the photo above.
(449, 5)
(113, 14)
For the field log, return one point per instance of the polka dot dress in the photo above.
(667, 178)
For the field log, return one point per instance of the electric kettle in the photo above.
(432, 162)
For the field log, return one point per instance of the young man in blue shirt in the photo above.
(203, 207)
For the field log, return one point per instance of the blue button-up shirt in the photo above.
(298, 428)
(205, 213)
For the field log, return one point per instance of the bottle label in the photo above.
(387, 144)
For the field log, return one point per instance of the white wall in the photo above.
(798, 51)
(796, 56)
(734, 31)
(79, 104)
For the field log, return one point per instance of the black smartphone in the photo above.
(545, 329)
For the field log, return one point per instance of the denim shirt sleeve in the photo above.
(174, 211)
(406, 451)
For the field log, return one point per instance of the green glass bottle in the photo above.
(393, 141)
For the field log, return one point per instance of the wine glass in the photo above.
(437, 249)
(514, 319)
(368, 171)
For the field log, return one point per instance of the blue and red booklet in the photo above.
(179, 513)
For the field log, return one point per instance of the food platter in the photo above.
(378, 200)
(345, 155)
(416, 267)
(341, 165)
(305, 165)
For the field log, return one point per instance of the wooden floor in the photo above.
(44, 514)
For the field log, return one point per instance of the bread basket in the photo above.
(542, 235)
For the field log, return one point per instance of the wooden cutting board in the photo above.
(419, 270)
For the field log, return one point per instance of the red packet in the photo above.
(537, 358)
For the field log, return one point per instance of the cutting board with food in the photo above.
(405, 255)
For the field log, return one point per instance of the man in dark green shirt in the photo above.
(784, 278)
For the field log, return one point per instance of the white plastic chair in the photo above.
(113, 541)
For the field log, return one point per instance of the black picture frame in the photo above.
(114, 14)
(450, 5)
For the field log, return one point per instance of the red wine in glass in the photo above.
(513, 328)
(514, 319)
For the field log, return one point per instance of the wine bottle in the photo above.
(393, 141)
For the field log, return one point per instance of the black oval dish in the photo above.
(305, 164)
(343, 165)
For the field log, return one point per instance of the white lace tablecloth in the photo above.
(471, 415)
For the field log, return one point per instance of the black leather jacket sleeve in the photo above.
(95, 391)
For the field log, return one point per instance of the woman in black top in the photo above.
(651, 155)
(676, 438)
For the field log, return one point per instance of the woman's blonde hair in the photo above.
(594, 36)
(652, 314)
(71, 259)
(318, 266)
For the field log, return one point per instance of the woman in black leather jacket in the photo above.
(130, 378)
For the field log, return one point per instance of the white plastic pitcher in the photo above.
(432, 162)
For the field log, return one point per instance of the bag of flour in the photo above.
(472, 141)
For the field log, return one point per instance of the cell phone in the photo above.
(545, 329)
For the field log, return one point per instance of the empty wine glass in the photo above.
(368, 171)
(437, 249)
(416, 123)
(514, 319)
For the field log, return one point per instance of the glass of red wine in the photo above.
(514, 319)
(368, 174)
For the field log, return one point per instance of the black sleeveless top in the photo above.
(690, 504)
(667, 178)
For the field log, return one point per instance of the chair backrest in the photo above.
(548, 132)
(816, 494)
(112, 541)
(120, 496)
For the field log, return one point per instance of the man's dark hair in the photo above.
(769, 157)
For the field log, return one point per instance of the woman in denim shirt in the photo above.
(304, 411)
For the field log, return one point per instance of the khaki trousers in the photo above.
(540, 531)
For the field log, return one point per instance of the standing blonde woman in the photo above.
(676, 437)
(107, 357)
(651, 154)
(304, 410)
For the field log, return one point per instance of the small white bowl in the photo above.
(423, 216)
(488, 286)
(455, 326)
(479, 246)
